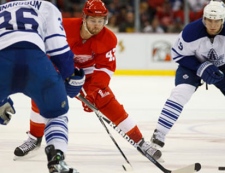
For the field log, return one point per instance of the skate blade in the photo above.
(30, 155)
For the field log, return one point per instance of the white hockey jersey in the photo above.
(195, 43)
(35, 21)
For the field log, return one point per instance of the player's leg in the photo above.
(186, 83)
(37, 125)
(6, 75)
(56, 129)
(42, 86)
(106, 102)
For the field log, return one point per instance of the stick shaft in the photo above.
(103, 124)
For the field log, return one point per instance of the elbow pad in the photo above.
(64, 63)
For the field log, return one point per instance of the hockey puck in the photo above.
(197, 166)
(127, 167)
(221, 168)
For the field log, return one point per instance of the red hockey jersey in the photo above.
(95, 55)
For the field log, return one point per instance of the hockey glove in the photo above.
(75, 82)
(6, 109)
(209, 73)
(91, 98)
(99, 98)
(85, 107)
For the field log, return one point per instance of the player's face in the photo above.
(95, 24)
(213, 26)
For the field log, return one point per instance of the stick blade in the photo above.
(189, 169)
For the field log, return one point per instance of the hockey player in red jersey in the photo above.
(94, 47)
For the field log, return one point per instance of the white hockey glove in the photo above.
(6, 109)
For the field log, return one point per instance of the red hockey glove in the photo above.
(86, 108)
(91, 98)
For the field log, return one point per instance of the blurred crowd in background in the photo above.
(156, 16)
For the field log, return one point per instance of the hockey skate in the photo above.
(28, 148)
(158, 139)
(56, 163)
(147, 148)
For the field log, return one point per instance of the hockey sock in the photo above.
(169, 115)
(56, 132)
(135, 134)
(37, 129)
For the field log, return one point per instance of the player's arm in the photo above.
(60, 54)
(190, 62)
(105, 61)
(74, 78)
(183, 53)
(64, 63)
(56, 44)
(104, 69)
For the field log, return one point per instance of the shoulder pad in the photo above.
(194, 31)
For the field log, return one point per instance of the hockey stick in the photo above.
(92, 107)
(188, 169)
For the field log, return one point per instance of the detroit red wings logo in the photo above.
(82, 58)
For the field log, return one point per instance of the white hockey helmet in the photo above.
(215, 10)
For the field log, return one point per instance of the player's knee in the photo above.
(103, 98)
(54, 113)
(114, 111)
(182, 93)
(55, 102)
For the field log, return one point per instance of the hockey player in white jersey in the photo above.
(28, 31)
(199, 51)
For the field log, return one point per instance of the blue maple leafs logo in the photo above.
(214, 58)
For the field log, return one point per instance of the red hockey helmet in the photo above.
(95, 8)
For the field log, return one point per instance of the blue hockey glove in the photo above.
(75, 82)
(209, 73)
(6, 109)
